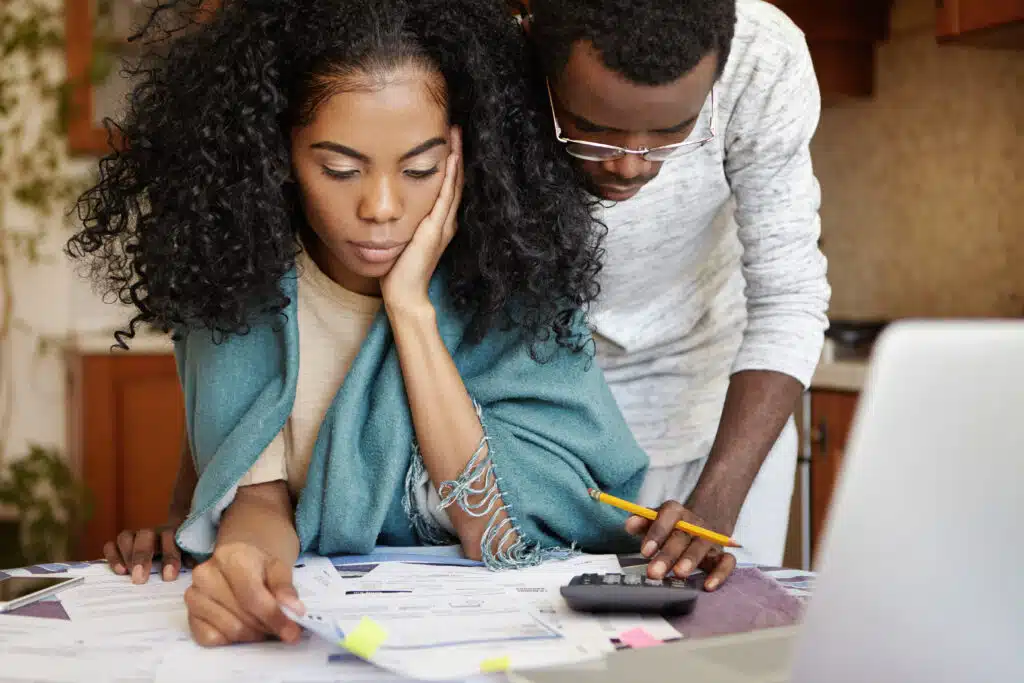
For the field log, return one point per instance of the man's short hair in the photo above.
(648, 41)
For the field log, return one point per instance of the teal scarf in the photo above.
(553, 430)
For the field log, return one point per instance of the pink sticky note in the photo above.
(638, 638)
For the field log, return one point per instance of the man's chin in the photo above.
(616, 193)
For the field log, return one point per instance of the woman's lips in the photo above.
(378, 252)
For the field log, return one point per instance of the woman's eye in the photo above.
(339, 174)
(421, 173)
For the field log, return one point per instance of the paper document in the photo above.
(113, 604)
(60, 658)
(449, 622)
(15, 627)
(442, 638)
(315, 575)
(270, 662)
(537, 587)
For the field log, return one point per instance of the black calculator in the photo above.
(630, 593)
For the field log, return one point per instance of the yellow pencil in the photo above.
(647, 513)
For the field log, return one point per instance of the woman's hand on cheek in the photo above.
(405, 286)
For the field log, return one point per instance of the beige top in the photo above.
(333, 322)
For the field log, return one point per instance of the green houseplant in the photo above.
(43, 502)
(52, 505)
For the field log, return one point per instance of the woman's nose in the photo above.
(380, 202)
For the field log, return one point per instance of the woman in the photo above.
(354, 218)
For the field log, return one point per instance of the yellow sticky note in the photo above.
(494, 665)
(365, 639)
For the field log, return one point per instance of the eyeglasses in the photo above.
(596, 151)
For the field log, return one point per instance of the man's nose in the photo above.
(629, 166)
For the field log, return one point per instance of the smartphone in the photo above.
(17, 591)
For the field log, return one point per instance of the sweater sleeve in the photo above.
(768, 164)
(272, 465)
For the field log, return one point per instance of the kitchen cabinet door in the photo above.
(831, 419)
(999, 23)
(96, 36)
(127, 421)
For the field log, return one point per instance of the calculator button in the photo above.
(612, 579)
(653, 582)
(632, 580)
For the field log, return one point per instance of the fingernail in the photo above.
(684, 568)
(712, 584)
(119, 569)
(649, 548)
(168, 573)
(137, 575)
(294, 604)
(658, 569)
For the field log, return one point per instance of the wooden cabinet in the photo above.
(127, 419)
(841, 35)
(830, 421)
(996, 23)
(96, 36)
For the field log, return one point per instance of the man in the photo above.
(693, 119)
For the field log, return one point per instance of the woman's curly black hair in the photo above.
(194, 221)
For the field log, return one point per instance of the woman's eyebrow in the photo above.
(345, 150)
(423, 147)
(338, 148)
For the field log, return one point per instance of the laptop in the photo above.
(921, 575)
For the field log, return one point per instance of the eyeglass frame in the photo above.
(643, 152)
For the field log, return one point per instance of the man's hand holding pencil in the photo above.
(676, 540)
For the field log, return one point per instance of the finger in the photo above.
(451, 222)
(661, 528)
(279, 581)
(142, 555)
(251, 590)
(692, 556)
(724, 565)
(448, 188)
(208, 579)
(637, 526)
(456, 140)
(113, 557)
(439, 211)
(205, 634)
(171, 554)
(670, 552)
(125, 542)
(212, 613)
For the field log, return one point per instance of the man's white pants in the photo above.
(764, 517)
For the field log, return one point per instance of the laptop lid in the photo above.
(922, 568)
